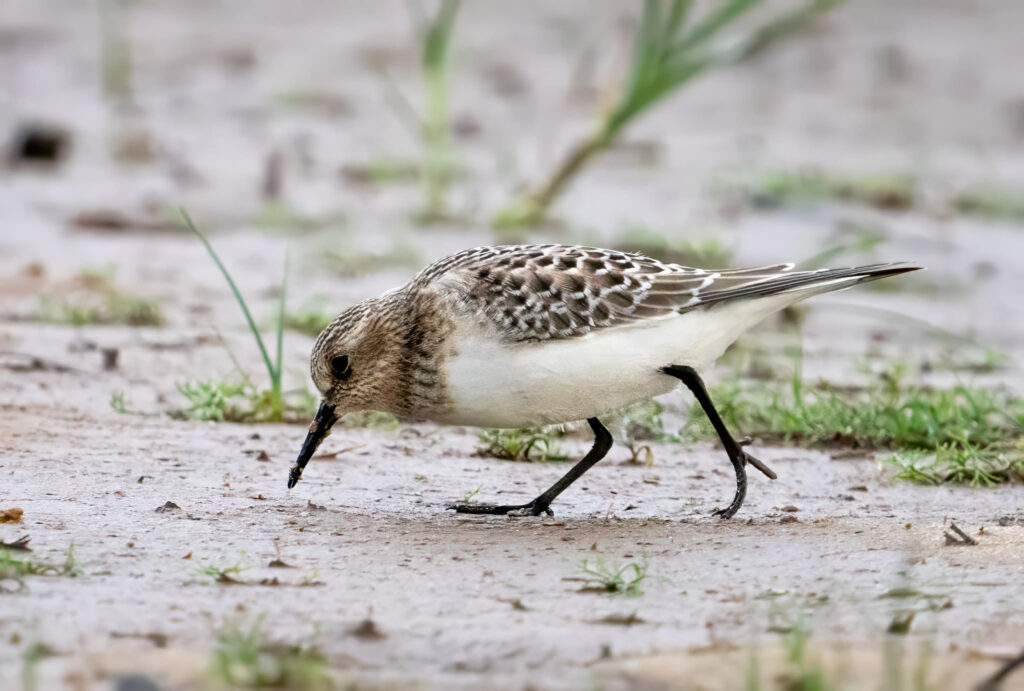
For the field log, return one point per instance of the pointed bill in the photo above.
(318, 431)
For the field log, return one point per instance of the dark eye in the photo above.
(341, 367)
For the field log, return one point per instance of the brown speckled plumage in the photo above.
(543, 292)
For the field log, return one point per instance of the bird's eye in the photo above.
(340, 367)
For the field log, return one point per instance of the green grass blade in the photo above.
(280, 329)
(780, 27)
(274, 374)
(725, 15)
(438, 38)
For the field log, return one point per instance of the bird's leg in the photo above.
(734, 448)
(542, 504)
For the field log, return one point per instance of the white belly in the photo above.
(495, 384)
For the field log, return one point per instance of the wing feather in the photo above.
(544, 292)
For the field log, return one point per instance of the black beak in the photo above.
(318, 431)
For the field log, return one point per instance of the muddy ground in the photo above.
(835, 546)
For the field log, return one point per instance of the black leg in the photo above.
(542, 504)
(737, 455)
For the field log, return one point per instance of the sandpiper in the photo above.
(527, 335)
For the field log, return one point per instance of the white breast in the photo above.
(497, 384)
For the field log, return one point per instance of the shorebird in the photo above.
(529, 335)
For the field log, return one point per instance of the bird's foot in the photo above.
(740, 459)
(533, 508)
(734, 506)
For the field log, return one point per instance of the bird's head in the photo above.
(354, 365)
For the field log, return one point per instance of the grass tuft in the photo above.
(226, 575)
(962, 463)
(244, 658)
(93, 299)
(534, 445)
(961, 435)
(14, 571)
(223, 401)
(623, 580)
(210, 401)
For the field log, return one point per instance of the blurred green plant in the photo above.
(622, 580)
(244, 658)
(310, 321)
(431, 124)
(668, 52)
(115, 48)
(13, 571)
(708, 252)
(347, 257)
(894, 191)
(439, 158)
(381, 171)
(990, 201)
(882, 190)
(280, 216)
(224, 575)
(117, 402)
(94, 299)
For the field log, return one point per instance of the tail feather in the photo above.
(732, 313)
(809, 282)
